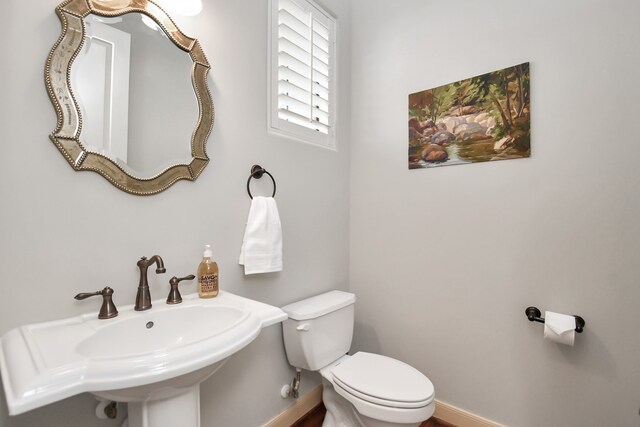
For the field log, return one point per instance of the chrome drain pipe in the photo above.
(292, 390)
(295, 385)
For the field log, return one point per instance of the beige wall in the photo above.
(64, 232)
(444, 261)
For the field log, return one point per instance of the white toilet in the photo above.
(364, 389)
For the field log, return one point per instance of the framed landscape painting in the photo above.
(480, 119)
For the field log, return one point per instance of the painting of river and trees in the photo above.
(474, 120)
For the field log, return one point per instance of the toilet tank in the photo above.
(319, 329)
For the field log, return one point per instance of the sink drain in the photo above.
(149, 325)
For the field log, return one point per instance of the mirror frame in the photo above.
(67, 133)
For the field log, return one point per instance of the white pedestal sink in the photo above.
(154, 360)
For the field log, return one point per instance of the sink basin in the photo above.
(155, 332)
(136, 357)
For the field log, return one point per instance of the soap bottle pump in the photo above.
(207, 275)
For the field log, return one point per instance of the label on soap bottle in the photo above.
(209, 283)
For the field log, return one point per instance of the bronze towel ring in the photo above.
(256, 172)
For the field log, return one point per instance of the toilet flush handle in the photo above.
(304, 327)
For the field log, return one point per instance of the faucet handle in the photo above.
(108, 309)
(174, 294)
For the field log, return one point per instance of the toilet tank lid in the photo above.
(319, 305)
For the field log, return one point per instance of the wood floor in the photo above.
(315, 417)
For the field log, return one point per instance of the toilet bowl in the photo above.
(380, 391)
(363, 389)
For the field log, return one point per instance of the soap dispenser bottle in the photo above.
(207, 275)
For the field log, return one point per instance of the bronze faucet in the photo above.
(108, 309)
(174, 294)
(143, 298)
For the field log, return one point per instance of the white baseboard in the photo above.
(296, 411)
(444, 412)
(460, 418)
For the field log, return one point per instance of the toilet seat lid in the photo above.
(382, 380)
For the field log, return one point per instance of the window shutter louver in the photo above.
(303, 69)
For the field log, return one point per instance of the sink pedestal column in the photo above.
(170, 403)
(182, 410)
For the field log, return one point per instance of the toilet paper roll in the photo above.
(560, 328)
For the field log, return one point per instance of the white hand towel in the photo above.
(261, 250)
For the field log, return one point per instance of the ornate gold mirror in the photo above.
(119, 116)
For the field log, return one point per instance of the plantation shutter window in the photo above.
(302, 72)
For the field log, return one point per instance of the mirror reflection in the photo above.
(134, 90)
(158, 111)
